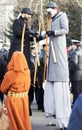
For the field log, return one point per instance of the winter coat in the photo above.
(58, 71)
(17, 80)
(16, 41)
(75, 122)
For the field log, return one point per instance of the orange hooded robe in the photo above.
(17, 79)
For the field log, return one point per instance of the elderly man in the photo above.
(56, 96)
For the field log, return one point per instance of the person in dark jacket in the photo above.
(75, 69)
(40, 76)
(75, 122)
(32, 59)
(17, 35)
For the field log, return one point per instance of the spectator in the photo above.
(75, 69)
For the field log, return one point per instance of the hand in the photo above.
(38, 38)
(50, 33)
(33, 33)
(29, 32)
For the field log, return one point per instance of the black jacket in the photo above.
(75, 65)
(16, 41)
(41, 67)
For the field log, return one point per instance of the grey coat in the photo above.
(58, 71)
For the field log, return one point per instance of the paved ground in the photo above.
(39, 121)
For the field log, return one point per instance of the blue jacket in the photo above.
(75, 122)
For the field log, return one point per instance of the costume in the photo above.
(57, 77)
(17, 81)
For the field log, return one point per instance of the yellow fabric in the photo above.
(17, 95)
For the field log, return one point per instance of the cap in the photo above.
(51, 5)
(26, 11)
(32, 47)
(76, 42)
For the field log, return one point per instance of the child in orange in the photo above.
(15, 85)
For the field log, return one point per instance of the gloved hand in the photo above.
(50, 33)
(38, 38)
(33, 33)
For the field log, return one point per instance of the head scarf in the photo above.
(18, 62)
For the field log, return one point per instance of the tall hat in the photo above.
(26, 11)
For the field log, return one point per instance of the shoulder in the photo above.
(16, 21)
(10, 72)
(63, 14)
(63, 18)
(79, 51)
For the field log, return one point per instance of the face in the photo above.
(33, 51)
(74, 46)
(53, 11)
(27, 16)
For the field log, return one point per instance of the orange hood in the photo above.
(18, 62)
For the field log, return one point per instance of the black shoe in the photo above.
(63, 128)
(51, 124)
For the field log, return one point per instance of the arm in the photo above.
(6, 83)
(17, 31)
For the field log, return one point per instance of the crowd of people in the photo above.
(18, 69)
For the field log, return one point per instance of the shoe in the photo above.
(51, 124)
(63, 128)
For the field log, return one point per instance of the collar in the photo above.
(57, 15)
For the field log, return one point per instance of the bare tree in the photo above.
(79, 2)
